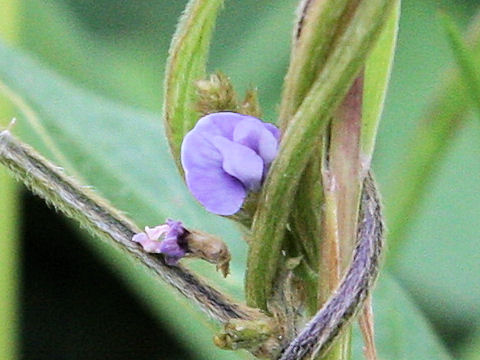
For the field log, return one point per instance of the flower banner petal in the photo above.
(241, 162)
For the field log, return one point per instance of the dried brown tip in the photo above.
(250, 104)
(216, 94)
(209, 248)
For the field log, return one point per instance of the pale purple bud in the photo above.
(167, 239)
(225, 156)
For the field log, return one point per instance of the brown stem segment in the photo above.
(339, 310)
(366, 322)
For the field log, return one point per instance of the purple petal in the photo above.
(221, 123)
(274, 130)
(171, 248)
(176, 229)
(198, 152)
(225, 155)
(253, 133)
(150, 246)
(156, 232)
(241, 162)
(217, 191)
(153, 246)
(172, 251)
(140, 238)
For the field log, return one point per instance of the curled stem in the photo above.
(94, 214)
(317, 336)
(308, 123)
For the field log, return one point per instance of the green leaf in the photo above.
(109, 65)
(440, 254)
(471, 351)
(427, 165)
(377, 75)
(425, 150)
(465, 59)
(123, 154)
(399, 325)
(9, 265)
(118, 150)
(187, 64)
(10, 218)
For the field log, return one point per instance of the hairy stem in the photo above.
(317, 336)
(186, 64)
(94, 214)
(309, 122)
(318, 25)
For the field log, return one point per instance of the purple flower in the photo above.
(225, 156)
(172, 243)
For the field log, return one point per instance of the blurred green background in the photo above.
(71, 305)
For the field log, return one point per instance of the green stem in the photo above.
(307, 125)
(317, 27)
(186, 64)
(329, 269)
